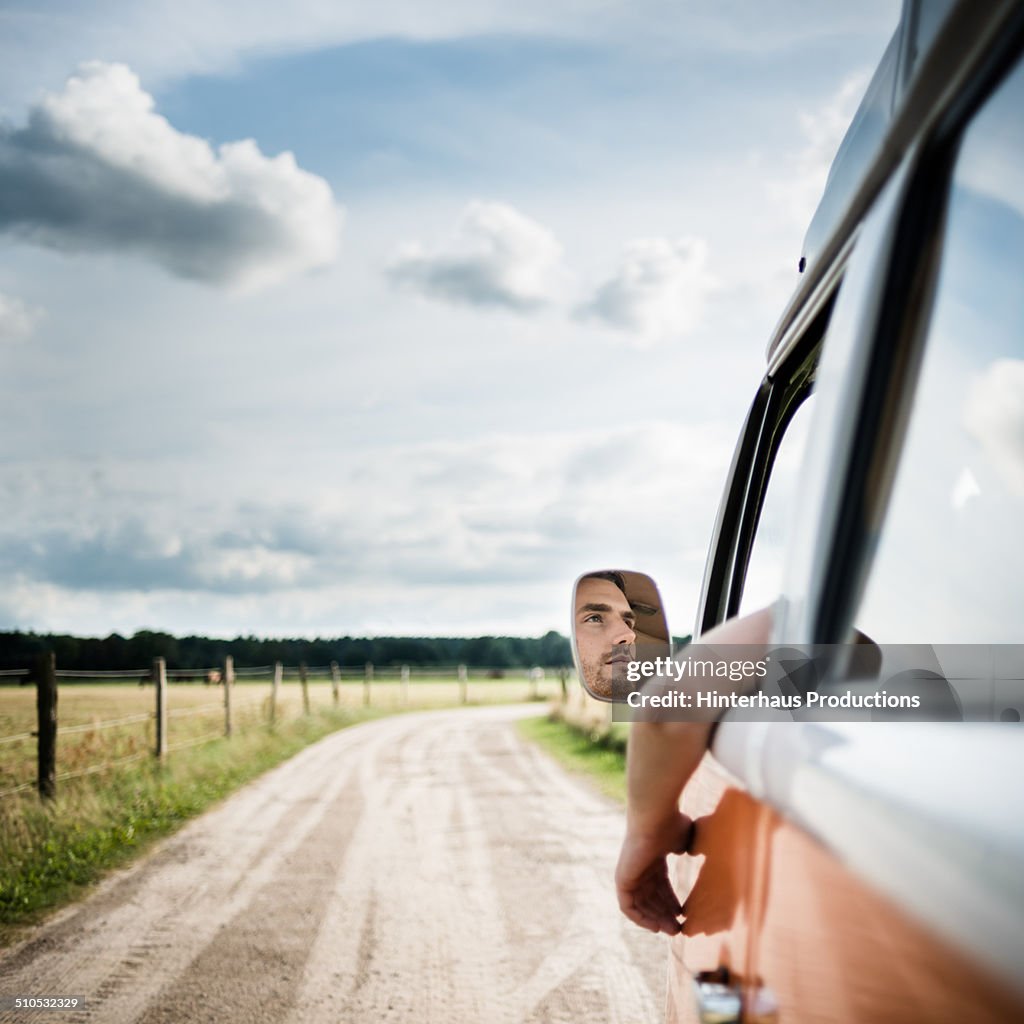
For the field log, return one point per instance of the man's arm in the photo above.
(660, 760)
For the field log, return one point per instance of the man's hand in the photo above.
(645, 893)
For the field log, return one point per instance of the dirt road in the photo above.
(428, 867)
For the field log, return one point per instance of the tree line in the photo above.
(116, 652)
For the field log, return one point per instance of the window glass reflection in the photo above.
(949, 566)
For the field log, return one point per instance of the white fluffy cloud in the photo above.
(17, 320)
(97, 168)
(823, 130)
(658, 291)
(496, 256)
(994, 415)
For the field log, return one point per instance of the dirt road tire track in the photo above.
(428, 867)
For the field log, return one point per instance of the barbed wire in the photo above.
(132, 673)
(201, 709)
(106, 723)
(95, 769)
(18, 736)
(196, 741)
(17, 789)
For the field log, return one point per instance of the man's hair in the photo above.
(608, 574)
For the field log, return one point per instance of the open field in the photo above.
(196, 714)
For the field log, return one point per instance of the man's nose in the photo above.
(625, 635)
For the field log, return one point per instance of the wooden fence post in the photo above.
(46, 717)
(160, 682)
(405, 684)
(229, 682)
(304, 680)
(463, 684)
(335, 680)
(274, 687)
(536, 675)
(367, 682)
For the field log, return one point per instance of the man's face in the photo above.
(605, 633)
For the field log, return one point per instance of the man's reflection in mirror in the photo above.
(605, 631)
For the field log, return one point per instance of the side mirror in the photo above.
(617, 619)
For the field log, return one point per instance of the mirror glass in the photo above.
(617, 618)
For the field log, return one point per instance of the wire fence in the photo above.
(94, 741)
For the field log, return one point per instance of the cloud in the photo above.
(993, 415)
(823, 129)
(131, 553)
(495, 510)
(658, 291)
(496, 256)
(96, 168)
(17, 320)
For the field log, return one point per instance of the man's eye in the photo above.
(593, 617)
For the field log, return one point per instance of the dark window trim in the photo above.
(773, 407)
(790, 388)
(721, 552)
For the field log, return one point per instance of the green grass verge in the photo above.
(50, 852)
(601, 758)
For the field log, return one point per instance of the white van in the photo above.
(876, 873)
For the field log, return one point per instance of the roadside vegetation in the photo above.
(598, 754)
(49, 852)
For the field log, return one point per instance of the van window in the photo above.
(764, 577)
(949, 562)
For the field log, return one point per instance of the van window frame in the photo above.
(780, 395)
(897, 348)
(897, 332)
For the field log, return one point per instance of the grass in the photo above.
(196, 712)
(601, 757)
(51, 852)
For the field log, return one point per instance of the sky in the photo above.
(392, 318)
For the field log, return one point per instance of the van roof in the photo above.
(935, 45)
